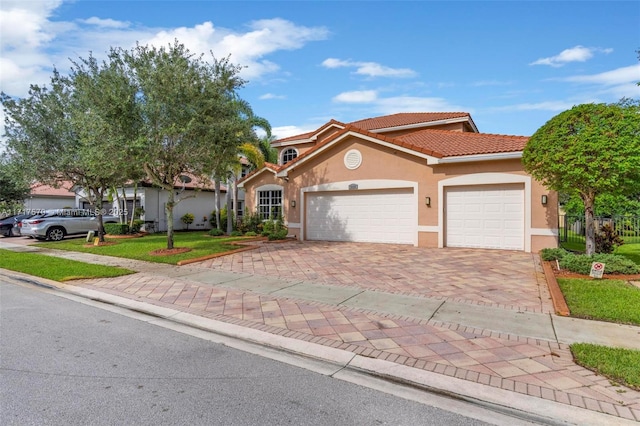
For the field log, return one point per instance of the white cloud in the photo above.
(32, 42)
(396, 104)
(248, 49)
(369, 69)
(104, 23)
(282, 132)
(539, 106)
(630, 74)
(267, 96)
(574, 54)
(415, 104)
(357, 96)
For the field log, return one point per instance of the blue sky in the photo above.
(513, 65)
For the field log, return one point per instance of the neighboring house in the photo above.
(197, 199)
(425, 179)
(45, 197)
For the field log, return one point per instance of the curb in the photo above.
(559, 303)
(514, 404)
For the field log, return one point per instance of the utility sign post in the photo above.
(597, 269)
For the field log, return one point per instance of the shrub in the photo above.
(250, 234)
(187, 219)
(268, 228)
(236, 234)
(280, 234)
(251, 222)
(216, 232)
(607, 239)
(614, 264)
(116, 228)
(553, 253)
(137, 224)
(223, 219)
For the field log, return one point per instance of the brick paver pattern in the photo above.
(535, 367)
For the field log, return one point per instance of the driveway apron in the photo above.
(497, 278)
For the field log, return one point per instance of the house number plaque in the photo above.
(353, 186)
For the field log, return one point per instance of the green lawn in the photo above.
(631, 251)
(619, 365)
(55, 268)
(140, 248)
(605, 300)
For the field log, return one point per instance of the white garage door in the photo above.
(377, 216)
(487, 216)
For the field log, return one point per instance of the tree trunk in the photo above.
(229, 212)
(217, 203)
(169, 210)
(135, 195)
(589, 224)
(98, 203)
(235, 199)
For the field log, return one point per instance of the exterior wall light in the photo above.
(293, 203)
(544, 200)
(427, 201)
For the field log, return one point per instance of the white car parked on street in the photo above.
(54, 225)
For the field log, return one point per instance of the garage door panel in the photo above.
(386, 216)
(487, 216)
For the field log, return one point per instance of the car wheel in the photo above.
(55, 234)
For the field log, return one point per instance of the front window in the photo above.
(270, 204)
(288, 155)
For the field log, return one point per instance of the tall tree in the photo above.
(190, 121)
(589, 150)
(76, 130)
(14, 188)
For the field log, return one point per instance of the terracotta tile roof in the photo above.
(267, 166)
(451, 144)
(386, 121)
(405, 119)
(310, 134)
(64, 190)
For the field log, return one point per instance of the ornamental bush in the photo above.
(614, 264)
(215, 232)
(548, 254)
(116, 228)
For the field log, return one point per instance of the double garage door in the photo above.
(376, 216)
(490, 216)
(479, 216)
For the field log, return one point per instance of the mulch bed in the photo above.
(568, 274)
(170, 252)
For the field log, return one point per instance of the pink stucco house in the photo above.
(424, 179)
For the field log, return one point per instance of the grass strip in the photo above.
(140, 248)
(617, 364)
(630, 251)
(56, 268)
(605, 300)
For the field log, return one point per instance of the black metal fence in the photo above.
(572, 228)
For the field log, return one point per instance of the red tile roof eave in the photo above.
(267, 167)
(290, 165)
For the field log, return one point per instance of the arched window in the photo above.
(289, 154)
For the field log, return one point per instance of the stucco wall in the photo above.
(386, 164)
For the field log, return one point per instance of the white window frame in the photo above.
(285, 151)
(272, 198)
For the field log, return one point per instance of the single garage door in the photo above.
(487, 216)
(376, 216)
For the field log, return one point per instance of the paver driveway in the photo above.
(506, 279)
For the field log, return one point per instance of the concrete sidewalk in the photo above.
(504, 357)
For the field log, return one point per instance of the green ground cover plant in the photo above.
(55, 268)
(605, 300)
(618, 263)
(617, 364)
(141, 248)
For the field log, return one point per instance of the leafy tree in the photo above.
(589, 150)
(269, 153)
(189, 110)
(76, 130)
(14, 188)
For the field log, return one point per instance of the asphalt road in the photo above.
(66, 362)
